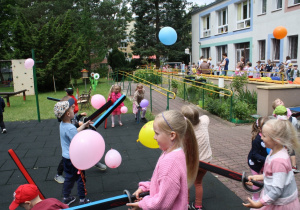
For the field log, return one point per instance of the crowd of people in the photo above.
(287, 70)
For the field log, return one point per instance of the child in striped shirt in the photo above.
(280, 189)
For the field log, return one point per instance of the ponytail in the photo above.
(190, 146)
(175, 121)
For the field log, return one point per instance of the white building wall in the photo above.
(262, 26)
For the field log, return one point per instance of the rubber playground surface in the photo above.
(38, 147)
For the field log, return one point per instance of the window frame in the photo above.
(222, 28)
(274, 50)
(293, 45)
(245, 22)
(220, 50)
(262, 51)
(206, 31)
(262, 7)
(276, 5)
(204, 51)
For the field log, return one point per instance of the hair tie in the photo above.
(257, 123)
(162, 114)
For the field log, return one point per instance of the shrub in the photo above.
(241, 110)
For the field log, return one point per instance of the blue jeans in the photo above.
(71, 177)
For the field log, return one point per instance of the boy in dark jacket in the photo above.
(2, 105)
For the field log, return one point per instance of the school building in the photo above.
(245, 28)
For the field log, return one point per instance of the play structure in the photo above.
(22, 77)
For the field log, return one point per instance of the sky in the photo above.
(201, 2)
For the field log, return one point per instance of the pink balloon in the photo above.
(86, 149)
(124, 109)
(113, 158)
(29, 63)
(98, 101)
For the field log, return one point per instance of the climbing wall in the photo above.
(22, 78)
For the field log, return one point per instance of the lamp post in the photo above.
(85, 75)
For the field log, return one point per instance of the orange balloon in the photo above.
(279, 32)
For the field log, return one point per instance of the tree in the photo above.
(102, 25)
(60, 51)
(116, 59)
(151, 16)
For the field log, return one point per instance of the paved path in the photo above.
(230, 143)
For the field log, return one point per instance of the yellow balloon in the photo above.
(146, 136)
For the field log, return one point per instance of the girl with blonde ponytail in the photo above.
(177, 166)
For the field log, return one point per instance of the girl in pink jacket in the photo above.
(176, 168)
(115, 94)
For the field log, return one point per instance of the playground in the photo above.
(37, 145)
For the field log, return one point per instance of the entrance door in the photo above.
(242, 50)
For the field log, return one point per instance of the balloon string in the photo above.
(83, 180)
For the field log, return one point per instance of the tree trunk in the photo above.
(54, 84)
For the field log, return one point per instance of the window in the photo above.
(242, 50)
(222, 21)
(276, 49)
(293, 2)
(220, 50)
(278, 4)
(293, 47)
(206, 52)
(206, 26)
(262, 49)
(123, 45)
(263, 6)
(243, 14)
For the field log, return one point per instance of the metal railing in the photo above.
(193, 83)
(151, 86)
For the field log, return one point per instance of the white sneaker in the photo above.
(101, 166)
(4, 130)
(59, 179)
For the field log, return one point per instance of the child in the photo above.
(258, 69)
(2, 105)
(200, 125)
(283, 113)
(70, 92)
(280, 188)
(177, 167)
(281, 72)
(115, 94)
(138, 96)
(182, 67)
(27, 197)
(275, 70)
(258, 152)
(250, 69)
(288, 71)
(294, 73)
(60, 169)
(218, 69)
(64, 110)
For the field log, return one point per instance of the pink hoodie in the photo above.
(168, 186)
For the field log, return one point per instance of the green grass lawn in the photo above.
(20, 110)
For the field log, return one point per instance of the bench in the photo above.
(9, 94)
